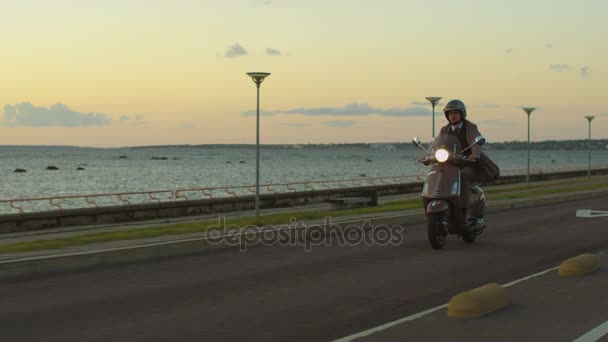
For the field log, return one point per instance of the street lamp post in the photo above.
(433, 100)
(528, 111)
(589, 118)
(258, 78)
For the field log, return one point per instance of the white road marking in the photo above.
(391, 324)
(530, 276)
(429, 311)
(594, 334)
(588, 213)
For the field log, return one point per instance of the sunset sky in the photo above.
(153, 72)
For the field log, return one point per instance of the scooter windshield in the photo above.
(446, 142)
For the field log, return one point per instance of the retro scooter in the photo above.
(441, 193)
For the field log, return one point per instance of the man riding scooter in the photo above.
(452, 204)
(456, 113)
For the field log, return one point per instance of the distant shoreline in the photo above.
(579, 144)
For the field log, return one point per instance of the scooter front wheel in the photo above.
(436, 231)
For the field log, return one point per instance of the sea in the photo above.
(135, 169)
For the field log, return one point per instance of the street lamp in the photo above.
(589, 118)
(258, 78)
(433, 100)
(528, 111)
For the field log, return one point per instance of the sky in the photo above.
(111, 73)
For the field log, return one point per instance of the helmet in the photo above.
(455, 105)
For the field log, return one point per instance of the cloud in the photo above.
(338, 123)
(509, 51)
(584, 71)
(296, 124)
(57, 115)
(440, 105)
(360, 109)
(353, 109)
(273, 52)
(420, 103)
(136, 117)
(235, 50)
(262, 113)
(427, 103)
(559, 67)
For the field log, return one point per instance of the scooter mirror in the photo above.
(479, 140)
(417, 142)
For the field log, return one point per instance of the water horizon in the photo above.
(596, 142)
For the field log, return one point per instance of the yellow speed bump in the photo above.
(579, 265)
(479, 301)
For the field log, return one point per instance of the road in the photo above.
(284, 292)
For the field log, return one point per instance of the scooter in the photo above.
(441, 193)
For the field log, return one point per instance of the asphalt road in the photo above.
(544, 308)
(285, 292)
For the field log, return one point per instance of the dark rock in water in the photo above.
(242, 162)
(20, 170)
(80, 168)
(164, 158)
(368, 160)
(155, 158)
(51, 167)
(176, 158)
(362, 175)
(123, 157)
(228, 162)
(553, 161)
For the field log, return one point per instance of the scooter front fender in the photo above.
(437, 206)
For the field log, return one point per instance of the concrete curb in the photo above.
(78, 260)
(478, 302)
(579, 265)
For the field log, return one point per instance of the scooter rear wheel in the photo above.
(436, 231)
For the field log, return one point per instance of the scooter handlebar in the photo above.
(460, 161)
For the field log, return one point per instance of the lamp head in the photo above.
(590, 117)
(433, 99)
(528, 110)
(258, 77)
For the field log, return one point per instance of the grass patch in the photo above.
(198, 227)
(276, 219)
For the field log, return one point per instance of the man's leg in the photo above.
(466, 178)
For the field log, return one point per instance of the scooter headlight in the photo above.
(441, 155)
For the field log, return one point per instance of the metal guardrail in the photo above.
(40, 204)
